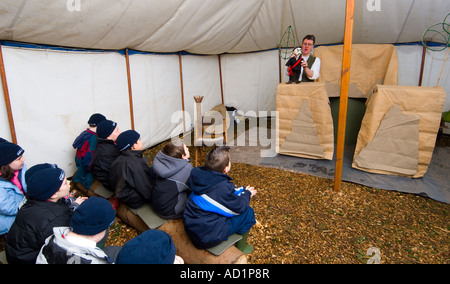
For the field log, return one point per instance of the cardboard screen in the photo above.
(371, 64)
(305, 125)
(398, 119)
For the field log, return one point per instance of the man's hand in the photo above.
(304, 64)
(309, 72)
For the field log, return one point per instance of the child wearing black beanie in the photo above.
(130, 176)
(46, 207)
(86, 145)
(106, 152)
(78, 242)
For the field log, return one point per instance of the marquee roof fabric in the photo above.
(212, 27)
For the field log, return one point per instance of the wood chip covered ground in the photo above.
(303, 220)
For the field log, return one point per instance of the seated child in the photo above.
(77, 244)
(150, 247)
(217, 209)
(172, 169)
(86, 144)
(46, 207)
(12, 183)
(130, 176)
(107, 152)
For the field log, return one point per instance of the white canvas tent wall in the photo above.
(54, 91)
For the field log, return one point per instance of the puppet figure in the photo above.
(294, 66)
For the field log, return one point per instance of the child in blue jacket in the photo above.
(12, 183)
(217, 209)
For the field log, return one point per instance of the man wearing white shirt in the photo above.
(308, 64)
(311, 64)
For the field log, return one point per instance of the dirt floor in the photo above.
(303, 220)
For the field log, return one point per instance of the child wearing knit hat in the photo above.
(86, 145)
(130, 176)
(47, 182)
(46, 207)
(77, 244)
(216, 208)
(106, 152)
(12, 183)
(150, 247)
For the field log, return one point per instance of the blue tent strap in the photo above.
(72, 49)
(132, 51)
(43, 46)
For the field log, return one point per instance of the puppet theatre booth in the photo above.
(141, 63)
(400, 124)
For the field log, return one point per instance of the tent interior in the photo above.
(140, 63)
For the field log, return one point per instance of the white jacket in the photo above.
(58, 250)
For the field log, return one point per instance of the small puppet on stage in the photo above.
(294, 66)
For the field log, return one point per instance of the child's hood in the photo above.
(82, 138)
(166, 166)
(202, 179)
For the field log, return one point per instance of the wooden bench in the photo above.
(3, 258)
(145, 218)
(224, 253)
(96, 189)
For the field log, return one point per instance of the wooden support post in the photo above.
(280, 76)
(422, 64)
(220, 76)
(130, 92)
(223, 101)
(198, 132)
(345, 79)
(182, 91)
(443, 65)
(7, 100)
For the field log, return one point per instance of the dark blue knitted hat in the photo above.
(127, 139)
(36, 168)
(105, 128)
(93, 216)
(9, 152)
(150, 247)
(43, 183)
(96, 118)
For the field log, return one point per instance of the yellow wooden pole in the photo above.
(345, 79)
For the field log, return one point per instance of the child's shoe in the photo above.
(243, 246)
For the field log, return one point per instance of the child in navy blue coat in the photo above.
(217, 209)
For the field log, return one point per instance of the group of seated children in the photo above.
(43, 223)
